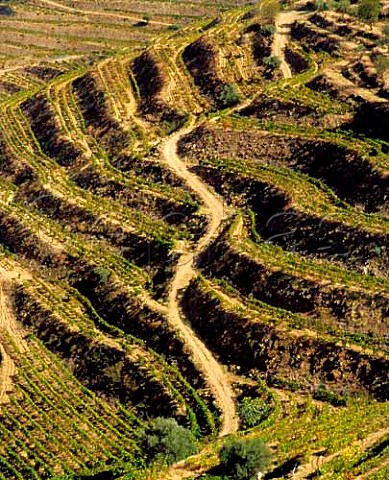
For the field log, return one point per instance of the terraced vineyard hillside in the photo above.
(193, 225)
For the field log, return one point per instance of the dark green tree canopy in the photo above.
(164, 440)
(244, 459)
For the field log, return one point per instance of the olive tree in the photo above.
(244, 459)
(166, 441)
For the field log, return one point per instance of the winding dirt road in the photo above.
(283, 24)
(213, 372)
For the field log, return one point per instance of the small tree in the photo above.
(166, 441)
(229, 96)
(272, 63)
(174, 27)
(103, 274)
(369, 10)
(253, 411)
(6, 11)
(269, 29)
(244, 459)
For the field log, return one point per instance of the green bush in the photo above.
(385, 31)
(6, 11)
(103, 274)
(167, 442)
(369, 10)
(174, 27)
(212, 477)
(253, 411)
(272, 63)
(327, 396)
(244, 459)
(269, 29)
(229, 96)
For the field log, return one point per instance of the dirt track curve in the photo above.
(283, 23)
(213, 372)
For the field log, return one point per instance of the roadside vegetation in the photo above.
(194, 240)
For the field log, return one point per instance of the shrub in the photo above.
(244, 459)
(385, 31)
(253, 411)
(174, 27)
(167, 442)
(327, 396)
(229, 96)
(369, 10)
(6, 11)
(269, 29)
(103, 274)
(212, 477)
(272, 63)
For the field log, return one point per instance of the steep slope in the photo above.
(188, 231)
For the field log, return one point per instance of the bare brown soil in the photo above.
(244, 313)
(14, 169)
(340, 309)
(100, 13)
(353, 76)
(332, 164)
(200, 60)
(48, 132)
(102, 366)
(318, 39)
(151, 202)
(278, 221)
(279, 354)
(152, 81)
(276, 110)
(295, 60)
(101, 124)
(373, 119)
